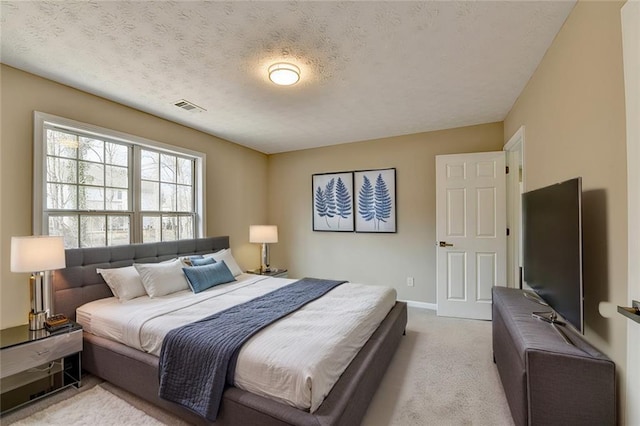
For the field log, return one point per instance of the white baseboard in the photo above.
(421, 305)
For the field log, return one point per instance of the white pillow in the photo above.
(228, 259)
(124, 282)
(160, 279)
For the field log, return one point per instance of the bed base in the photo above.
(346, 404)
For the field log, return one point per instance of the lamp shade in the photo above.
(37, 253)
(263, 234)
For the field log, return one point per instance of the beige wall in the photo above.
(385, 259)
(236, 177)
(574, 117)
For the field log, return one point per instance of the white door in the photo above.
(471, 232)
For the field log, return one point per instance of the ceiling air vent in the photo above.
(188, 106)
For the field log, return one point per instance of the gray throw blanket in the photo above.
(196, 358)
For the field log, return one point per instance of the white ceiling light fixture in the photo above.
(284, 74)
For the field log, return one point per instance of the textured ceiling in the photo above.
(369, 69)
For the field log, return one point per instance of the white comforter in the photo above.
(296, 360)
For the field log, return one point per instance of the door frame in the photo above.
(515, 186)
(630, 16)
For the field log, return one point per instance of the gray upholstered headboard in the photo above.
(79, 282)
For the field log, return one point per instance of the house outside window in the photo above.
(98, 187)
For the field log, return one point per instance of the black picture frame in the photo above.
(375, 200)
(333, 208)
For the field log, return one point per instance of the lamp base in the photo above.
(36, 320)
(264, 267)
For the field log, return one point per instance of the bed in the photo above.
(137, 371)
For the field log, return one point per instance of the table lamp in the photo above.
(264, 234)
(38, 254)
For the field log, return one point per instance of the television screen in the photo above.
(552, 247)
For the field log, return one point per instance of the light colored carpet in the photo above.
(443, 374)
(93, 407)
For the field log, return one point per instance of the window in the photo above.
(99, 187)
(166, 201)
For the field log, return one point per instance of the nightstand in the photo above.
(274, 272)
(34, 364)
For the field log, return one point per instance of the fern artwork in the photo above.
(376, 200)
(333, 202)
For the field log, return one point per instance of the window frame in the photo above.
(42, 121)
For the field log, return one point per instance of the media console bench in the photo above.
(546, 380)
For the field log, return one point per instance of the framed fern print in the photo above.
(375, 200)
(333, 208)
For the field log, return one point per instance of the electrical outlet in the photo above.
(410, 281)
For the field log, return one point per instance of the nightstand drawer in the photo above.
(22, 357)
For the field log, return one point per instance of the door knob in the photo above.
(445, 244)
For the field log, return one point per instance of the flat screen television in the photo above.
(552, 248)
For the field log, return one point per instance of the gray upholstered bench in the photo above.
(546, 380)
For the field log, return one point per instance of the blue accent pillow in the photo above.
(201, 278)
(203, 261)
(187, 260)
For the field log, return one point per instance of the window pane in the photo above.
(169, 228)
(150, 196)
(91, 198)
(61, 170)
(185, 198)
(92, 231)
(118, 230)
(116, 199)
(116, 154)
(62, 144)
(116, 176)
(150, 229)
(167, 168)
(90, 173)
(62, 197)
(186, 227)
(99, 189)
(67, 227)
(91, 150)
(150, 165)
(185, 171)
(168, 197)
